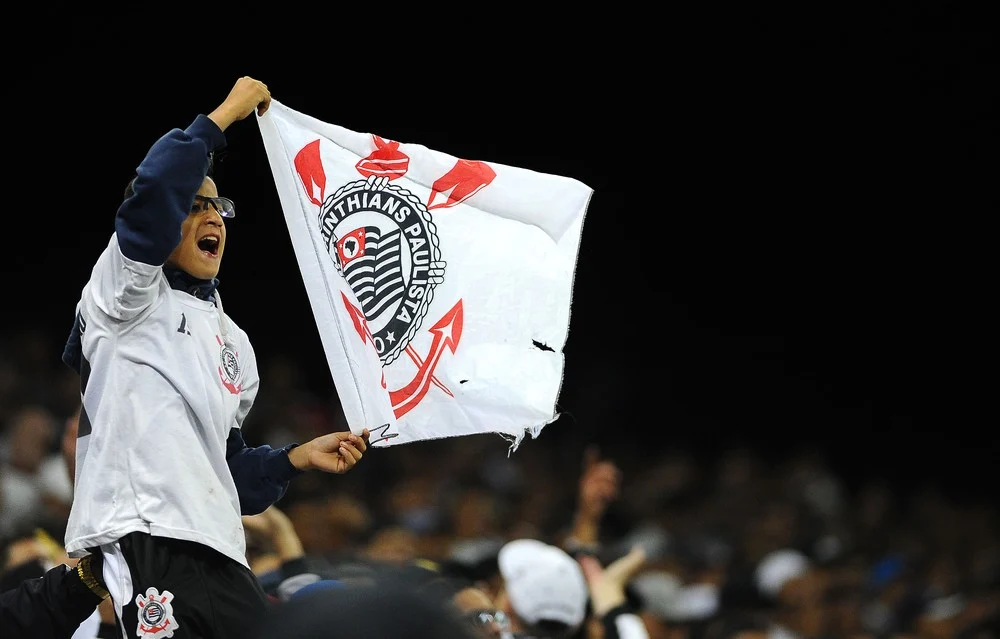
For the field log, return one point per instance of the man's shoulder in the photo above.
(238, 331)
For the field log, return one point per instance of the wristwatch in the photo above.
(86, 575)
(575, 548)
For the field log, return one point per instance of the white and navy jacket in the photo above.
(166, 379)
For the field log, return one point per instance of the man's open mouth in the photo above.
(210, 245)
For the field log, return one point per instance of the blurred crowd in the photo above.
(731, 545)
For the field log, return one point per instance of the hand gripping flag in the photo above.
(440, 286)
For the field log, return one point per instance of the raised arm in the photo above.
(148, 224)
(149, 220)
(599, 486)
(607, 594)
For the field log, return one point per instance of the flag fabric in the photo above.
(440, 286)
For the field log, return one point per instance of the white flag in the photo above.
(440, 286)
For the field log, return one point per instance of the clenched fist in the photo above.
(246, 96)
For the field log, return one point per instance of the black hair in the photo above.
(733, 623)
(554, 629)
(444, 588)
(481, 570)
(387, 608)
(21, 531)
(130, 187)
(13, 576)
(988, 626)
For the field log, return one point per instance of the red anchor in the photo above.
(447, 334)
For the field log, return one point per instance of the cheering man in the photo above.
(163, 475)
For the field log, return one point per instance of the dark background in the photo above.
(801, 199)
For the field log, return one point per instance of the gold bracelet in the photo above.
(87, 577)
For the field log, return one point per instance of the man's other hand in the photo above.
(333, 453)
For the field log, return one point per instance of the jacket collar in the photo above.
(182, 281)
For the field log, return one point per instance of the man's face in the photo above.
(477, 607)
(203, 236)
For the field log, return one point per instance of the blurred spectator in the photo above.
(44, 596)
(392, 544)
(747, 543)
(470, 602)
(390, 608)
(542, 589)
(611, 614)
(34, 480)
(331, 525)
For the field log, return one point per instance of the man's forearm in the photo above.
(261, 473)
(586, 529)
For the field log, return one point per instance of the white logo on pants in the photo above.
(156, 615)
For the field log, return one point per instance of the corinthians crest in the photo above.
(156, 614)
(229, 369)
(383, 241)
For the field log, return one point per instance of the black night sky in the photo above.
(801, 202)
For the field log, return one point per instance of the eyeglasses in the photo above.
(223, 205)
(489, 620)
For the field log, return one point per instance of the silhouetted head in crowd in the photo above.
(388, 609)
(738, 625)
(471, 603)
(544, 593)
